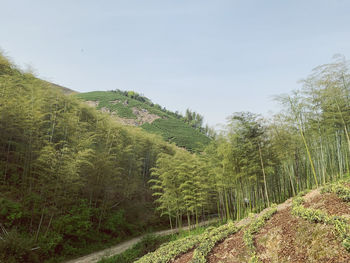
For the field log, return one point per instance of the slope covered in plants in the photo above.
(133, 109)
(289, 232)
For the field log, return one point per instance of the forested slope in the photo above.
(71, 179)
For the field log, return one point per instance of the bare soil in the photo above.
(231, 250)
(184, 258)
(285, 238)
(275, 242)
(330, 203)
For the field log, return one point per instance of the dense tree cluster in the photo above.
(257, 161)
(69, 175)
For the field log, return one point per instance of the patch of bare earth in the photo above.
(232, 249)
(92, 103)
(144, 116)
(184, 258)
(330, 203)
(285, 238)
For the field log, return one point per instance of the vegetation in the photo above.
(209, 240)
(341, 191)
(177, 131)
(171, 250)
(149, 243)
(71, 179)
(256, 161)
(340, 224)
(254, 227)
(173, 127)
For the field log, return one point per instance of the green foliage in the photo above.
(180, 185)
(170, 126)
(340, 190)
(16, 248)
(175, 130)
(75, 224)
(253, 228)
(171, 250)
(68, 171)
(10, 212)
(121, 103)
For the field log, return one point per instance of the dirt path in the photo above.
(96, 256)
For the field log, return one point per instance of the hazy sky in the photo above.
(215, 57)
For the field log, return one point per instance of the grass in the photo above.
(175, 130)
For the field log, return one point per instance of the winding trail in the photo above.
(108, 252)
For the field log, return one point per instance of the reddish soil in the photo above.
(285, 226)
(231, 250)
(330, 203)
(286, 238)
(184, 258)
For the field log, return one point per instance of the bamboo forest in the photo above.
(73, 178)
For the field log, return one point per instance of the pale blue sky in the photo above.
(215, 57)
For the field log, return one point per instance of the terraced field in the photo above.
(311, 227)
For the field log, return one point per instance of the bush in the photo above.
(15, 248)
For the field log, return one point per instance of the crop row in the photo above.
(171, 250)
(340, 224)
(209, 240)
(205, 241)
(254, 227)
(341, 191)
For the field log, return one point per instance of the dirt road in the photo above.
(96, 256)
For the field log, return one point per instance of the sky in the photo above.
(215, 57)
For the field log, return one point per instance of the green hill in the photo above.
(132, 109)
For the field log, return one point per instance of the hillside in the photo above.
(72, 180)
(65, 90)
(131, 109)
(310, 228)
